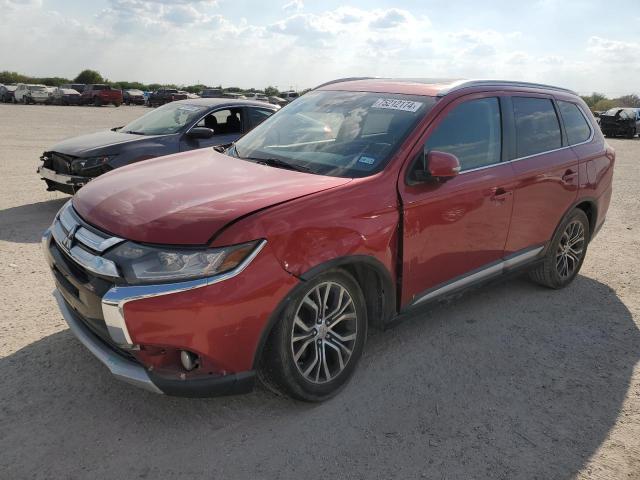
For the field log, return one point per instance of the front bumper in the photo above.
(103, 317)
(72, 182)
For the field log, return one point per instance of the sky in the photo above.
(578, 44)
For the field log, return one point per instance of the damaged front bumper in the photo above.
(62, 182)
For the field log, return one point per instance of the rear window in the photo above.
(101, 87)
(578, 129)
(537, 126)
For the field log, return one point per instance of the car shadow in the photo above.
(25, 223)
(511, 381)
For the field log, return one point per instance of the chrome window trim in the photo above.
(534, 155)
(493, 269)
(117, 297)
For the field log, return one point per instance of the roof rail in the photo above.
(499, 83)
(339, 80)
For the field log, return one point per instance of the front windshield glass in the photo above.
(165, 120)
(36, 88)
(341, 134)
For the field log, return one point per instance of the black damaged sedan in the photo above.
(175, 127)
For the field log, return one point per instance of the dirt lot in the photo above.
(512, 381)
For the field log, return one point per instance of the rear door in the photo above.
(455, 232)
(545, 169)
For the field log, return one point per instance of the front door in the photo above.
(227, 125)
(457, 230)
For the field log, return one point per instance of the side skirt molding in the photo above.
(476, 276)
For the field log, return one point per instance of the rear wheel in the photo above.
(116, 104)
(631, 133)
(314, 348)
(565, 253)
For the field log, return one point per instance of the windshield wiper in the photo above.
(276, 162)
(132, 132)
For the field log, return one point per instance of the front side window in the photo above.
(472, 132)
(223, 122)
(578, 129)
(537, 126)
(336, 133)
(168, 119)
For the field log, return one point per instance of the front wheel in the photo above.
(314, 348)
(97, 102)
(565, 253)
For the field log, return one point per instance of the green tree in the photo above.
(271, 91)
(593, 99)
(604, 105)
(89, 77)
(628, 101)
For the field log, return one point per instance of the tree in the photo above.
(593, 99)
(271, 91)
(89, 77)
(603, 105)
(632, 101)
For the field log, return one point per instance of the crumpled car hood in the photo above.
(185, 199)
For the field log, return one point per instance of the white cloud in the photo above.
(293, 6)
(183, 41)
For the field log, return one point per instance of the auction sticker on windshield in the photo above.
(395, 104)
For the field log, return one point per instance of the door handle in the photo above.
(569, 175)
(500, 194)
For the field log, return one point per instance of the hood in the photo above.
(185, 199)
(95, 143)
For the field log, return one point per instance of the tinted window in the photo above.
(258, 115)
(537, 126)
(223, 121)
(578, 130)
(472, 132)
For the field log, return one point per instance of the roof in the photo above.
(425, 86)
(225, 102)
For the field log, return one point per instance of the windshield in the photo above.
(341, 134)
(170, 118)
(36, 88)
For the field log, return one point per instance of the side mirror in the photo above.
(436, 166)
(443, 166)
(200, 133)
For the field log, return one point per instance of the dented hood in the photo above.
(185, 199)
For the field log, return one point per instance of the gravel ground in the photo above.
(511, 381)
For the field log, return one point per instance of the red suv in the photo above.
(362, 200)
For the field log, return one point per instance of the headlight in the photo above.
(91, 162)
(143, 264)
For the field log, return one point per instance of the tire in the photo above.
(327, 353)
(97, 102)
(24, 100)
(561, 264)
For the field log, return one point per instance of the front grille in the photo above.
(59, 162)
(82, 288)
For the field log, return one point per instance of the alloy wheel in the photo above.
(570, 249)
(324, 332)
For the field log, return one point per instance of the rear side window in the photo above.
(578, 130)
(259, 115)
(472, 132)
(537, 126)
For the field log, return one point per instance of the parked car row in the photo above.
(102, 94)
(196, 273)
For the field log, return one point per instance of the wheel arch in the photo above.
(590, 208)
(372, 276)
